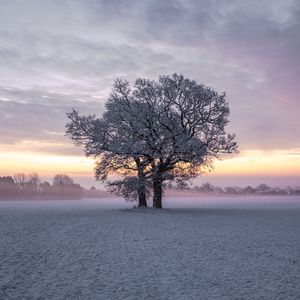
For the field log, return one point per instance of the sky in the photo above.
(63, 54)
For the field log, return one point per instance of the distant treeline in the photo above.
(22, 186)
(262, 189)
(30, 186)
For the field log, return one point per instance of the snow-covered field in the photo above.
(213, 249)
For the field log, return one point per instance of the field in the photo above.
(211, 249)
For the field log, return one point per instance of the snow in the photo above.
(212, 249)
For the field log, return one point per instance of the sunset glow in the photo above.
(247, 163)
(261, 163)
(45, 165)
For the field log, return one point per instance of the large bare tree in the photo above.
(165, 130)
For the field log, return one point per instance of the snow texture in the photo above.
(89, 250)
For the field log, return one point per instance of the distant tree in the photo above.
(295, 192)
(64, 187)
(20, 179)
(6, 180)
(249, 190)
(32, 183)
(232, 190)
(218, 190)
(62, 179)
(164, 131)
(8, 188)
(262, 188)
(276, 191)
(207, 188)
(45, 190)
(30, 187)
(33, 179)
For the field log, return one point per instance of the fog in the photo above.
(174, 202)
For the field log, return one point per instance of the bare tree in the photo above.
(164, 131)
(64, 186)
(20, 179)
(32, 184)
(6, 180)
(62, 179)
(262, 188)
(8, 188)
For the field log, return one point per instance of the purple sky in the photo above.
(59, 54)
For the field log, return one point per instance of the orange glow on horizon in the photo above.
(44, 164)
(251, 162)
(261, 163)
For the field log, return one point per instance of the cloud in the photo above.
(56, 55)
(38, 118)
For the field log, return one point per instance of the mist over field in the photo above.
(174, 200)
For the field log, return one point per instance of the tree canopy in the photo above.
(155, 132)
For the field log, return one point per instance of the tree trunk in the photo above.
(157, 190)
(142, 189)
(142, 197)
